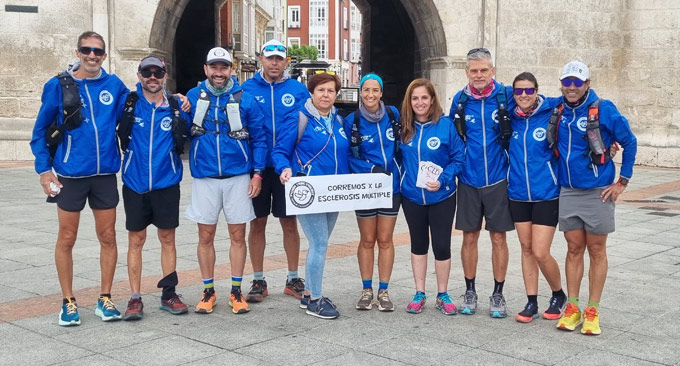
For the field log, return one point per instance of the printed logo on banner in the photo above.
(302, 194)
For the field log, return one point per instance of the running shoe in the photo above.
(322, 308)
(591, 321)
(207, 303)
(106, 309)
(384, 302)
(295, 287)
(304, 301)
(135, 309)
(497, 306)
(469, 305)
(446, 305)
(556, 308)
(238, 303)
(69, 314)
(528, 314)
(570, 319)
(258, 290)
(174, 305)
(365, 300)
(417, 305)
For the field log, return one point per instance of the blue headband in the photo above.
(371, 77)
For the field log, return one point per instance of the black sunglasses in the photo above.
(529, 91)
(86, 51)
(146, 73)
(481, 49)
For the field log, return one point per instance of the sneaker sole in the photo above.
(369, 307)
(498, 315)
(256, 298)
(444, 311)
(549, 316)
(174, 312)
(205, 311)
(309, 312)
(380, 308)
(100, 314)
(68, 324)
(239, 311)
(526, 319)
(287, 291)
(415, 311)
(565, 328)
(590, 332)
(136, 316)
(468, 311)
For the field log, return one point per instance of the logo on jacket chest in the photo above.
(260, 99)
(433, 143)
(287, 99)
(342, 133)
(166, 123)
(105, 97)
(390, 134)
(539, 134)
(582, 123)
(494, 116)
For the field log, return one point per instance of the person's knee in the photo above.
(442, 254)
(136, 240)
(167, 237)
(385, 243)
(470, 239)
(498, 239)
(258, 224)
(107, 237)
(541, 256)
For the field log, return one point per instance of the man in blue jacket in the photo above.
(227, 145)
(81, 164)
(152, 170)
(588, 189)
(482, 190)
(279, 98)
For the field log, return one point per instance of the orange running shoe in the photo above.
(238, 303)
(207, 303)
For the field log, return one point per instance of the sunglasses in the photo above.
(146, 73)
(324, 72)
(86, 51)
(529, 91)
(568, 82)
(482, 50)
(273, 47)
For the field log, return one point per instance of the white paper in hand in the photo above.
(427, 172)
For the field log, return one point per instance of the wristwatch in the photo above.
(623, 181)
(257, 171)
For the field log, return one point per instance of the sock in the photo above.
(498, 286)
(533, 299)
(65, 301)
(168, 284)
(440, 294)
(573, 300)
(470, 284)
(258, 276)
(420, 292)
(382, 285)
(136, 295)
(292, 275)
(596, 304)
(559, 293)
(368, 283)
(208, 284)
(105, 295)
(236, 283)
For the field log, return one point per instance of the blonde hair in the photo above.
(407, 117)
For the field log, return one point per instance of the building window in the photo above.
(293, 41)
(356, 50)
(346, 48)
(293, 17)
(345, 18)
(319, 41)
(236, 25)
(317, 13)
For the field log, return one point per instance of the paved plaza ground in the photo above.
(640, 311)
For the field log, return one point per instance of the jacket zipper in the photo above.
(526, 166)
(486, 162)
(217, 128)
(420, 139)
(153, 118)
(68, 149)
(94, 124)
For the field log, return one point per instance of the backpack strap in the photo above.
(127, 119)
(355, 138)
(554, 128)
(599, 153)
(178, 125)
(505, 132)
(302, 124)
(459, 117)
(396, 131)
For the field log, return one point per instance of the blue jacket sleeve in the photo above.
(49, 110)
(620, 128)
(356, 165)
(285, 143)
(256, 130)
(456, 158)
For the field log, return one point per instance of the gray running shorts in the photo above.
(584, 209)
(489, 202)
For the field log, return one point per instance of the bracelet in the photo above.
(257, 176)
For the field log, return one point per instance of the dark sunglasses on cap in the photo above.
(274, 47)
(86, 51)
(567, 82)
(146, 73)
(519, 91)
(481, 49)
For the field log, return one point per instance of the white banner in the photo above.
(342, 192)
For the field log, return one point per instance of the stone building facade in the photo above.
(631, 46)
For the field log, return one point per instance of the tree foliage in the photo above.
(304, 52)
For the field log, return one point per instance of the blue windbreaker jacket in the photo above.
(215, 154)
(150, 162)
(329, 153)
(277, 101)
(486, 162)
(91, 148)
(576, 170)
(439, 143)
(533, 174)
(377, 146)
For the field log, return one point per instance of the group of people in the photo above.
(506, 156)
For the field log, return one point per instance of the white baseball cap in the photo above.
(576, 69)
(274, 48)
(218, 54)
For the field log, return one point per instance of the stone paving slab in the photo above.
(640, 315)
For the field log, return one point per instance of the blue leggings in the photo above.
(317, 228)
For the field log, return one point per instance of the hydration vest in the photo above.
(599, 154)
(505, 125)
(355, 139)
(201, 114)
(71, 103)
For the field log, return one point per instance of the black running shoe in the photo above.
(528, 314)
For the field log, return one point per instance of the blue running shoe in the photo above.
(106, 309)
(322, 308)
(446, 305)
(304, 301)
(69, 314)
(417, 305)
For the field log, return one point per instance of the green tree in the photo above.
(304, 52)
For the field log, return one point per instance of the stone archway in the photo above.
(163, 29)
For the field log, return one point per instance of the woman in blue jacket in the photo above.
(375, 128)
(321, 149)
(433, 155)
(533, 191)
